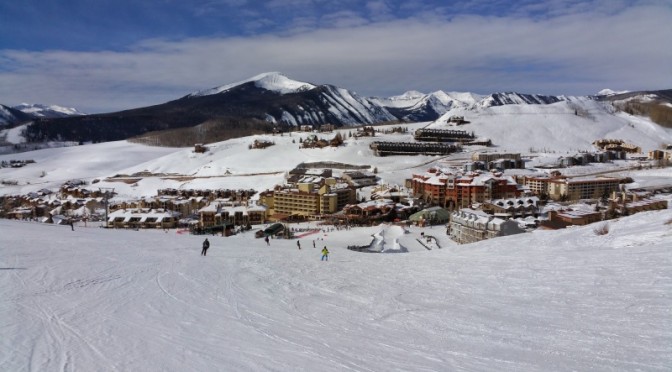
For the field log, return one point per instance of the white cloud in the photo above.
(343, 19)
(379, 10)
(577, 53)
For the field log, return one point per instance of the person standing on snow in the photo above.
(266, 239)
(325, 254)
(298, 244)
(206, 245)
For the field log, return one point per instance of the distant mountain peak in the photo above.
(273, 81)
(514, 98)
(411, 94)
(47, 111)
(24, 112)
(609, 92)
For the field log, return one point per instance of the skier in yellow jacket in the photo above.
(325, 254)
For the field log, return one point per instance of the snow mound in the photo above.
(387, 240)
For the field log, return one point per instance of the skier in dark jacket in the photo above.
(206, 245)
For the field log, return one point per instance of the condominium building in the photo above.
(558, 188)
(308, 200)
(492, 156)
(626, 203)
(564, 218)
(477, 189)
(431, 186)
(660, 155)
(537, 185)
(469, 226)
(582, 188)
(457, 190)
(302, 200)
(237, 214)
(513, 208)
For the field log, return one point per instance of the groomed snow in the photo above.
(107, 300)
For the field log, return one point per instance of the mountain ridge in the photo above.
(269, 102)
(10, 116)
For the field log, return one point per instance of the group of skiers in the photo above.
(325, 251)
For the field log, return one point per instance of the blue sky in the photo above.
(105, 55)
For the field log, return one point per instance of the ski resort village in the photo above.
(336, 186)
(466, 185)
(505, 232)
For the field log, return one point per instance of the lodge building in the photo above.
(451, 191)
(470, 226)
(308, 200)
(559, 188)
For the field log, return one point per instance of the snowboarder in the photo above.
(325, 254)
(298, 244)
(206, 245)
(266, 239)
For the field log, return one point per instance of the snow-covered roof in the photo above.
(139, 214)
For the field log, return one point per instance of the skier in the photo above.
(325, 254)
(266, 239)
(313, 243)
(298, 244)
(206, 245)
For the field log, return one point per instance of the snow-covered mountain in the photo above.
(346, 107)
(315, 104)
(610, 92)
(659, 96)
(254, 105)
(10, 116)
(50, 111)
(272, 101)
(273, 81)
(513, 98)
(417, 106)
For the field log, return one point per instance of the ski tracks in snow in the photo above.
(51, 346)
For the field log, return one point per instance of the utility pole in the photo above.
(107, 193)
